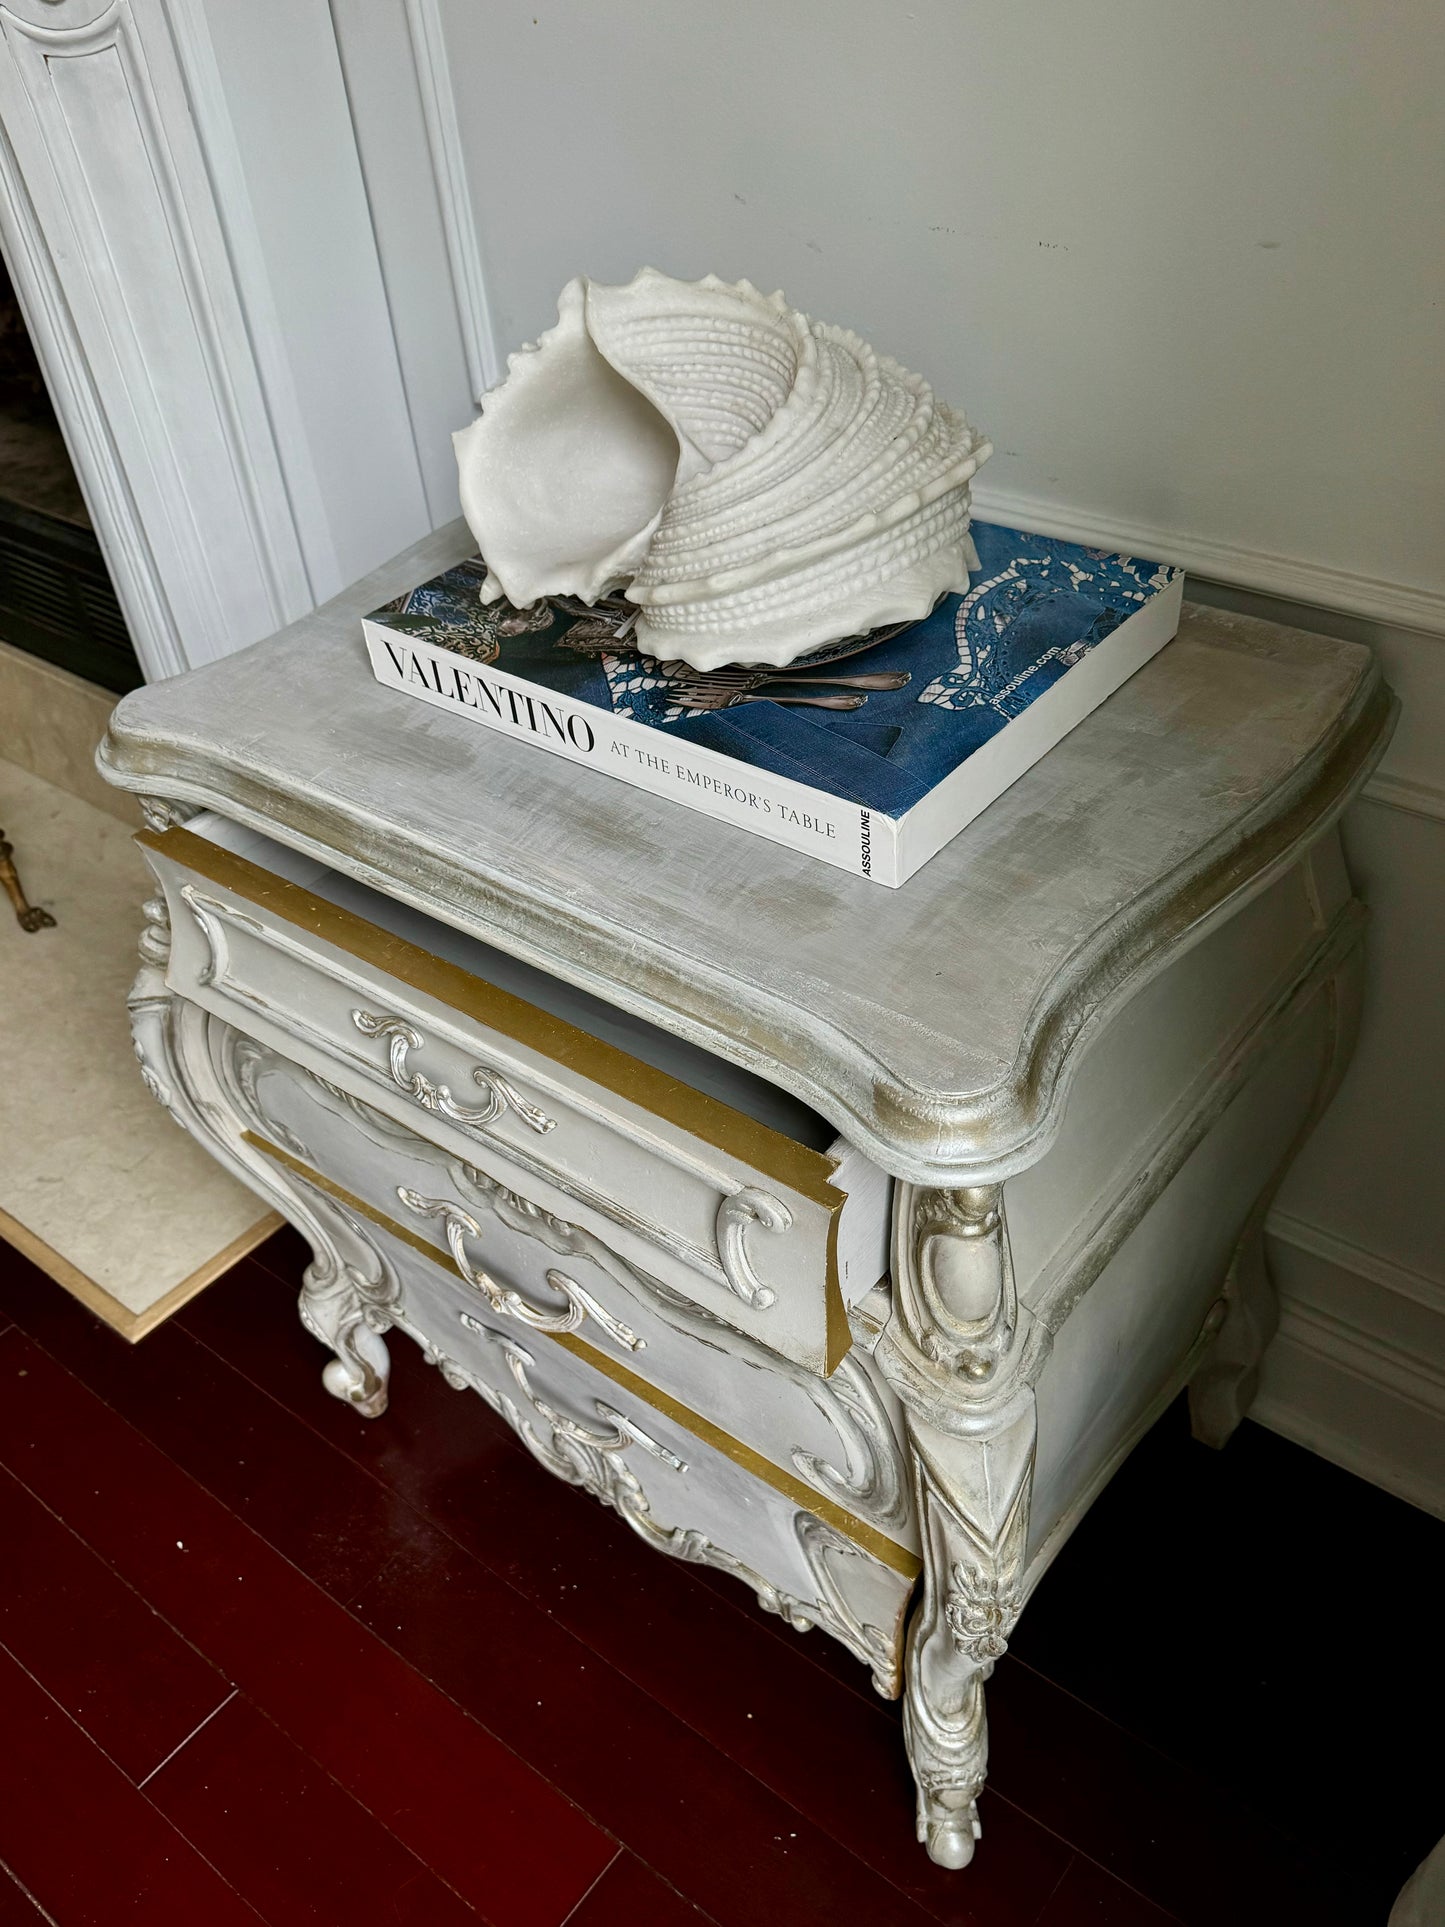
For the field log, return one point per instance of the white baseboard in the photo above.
(1403, 793)
(1357, 1370)
(1277, 575)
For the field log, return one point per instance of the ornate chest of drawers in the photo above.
(843, 1239)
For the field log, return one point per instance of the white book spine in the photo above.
(837, 832)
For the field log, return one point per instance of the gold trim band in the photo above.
(887, 1551)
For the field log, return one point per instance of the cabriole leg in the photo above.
(962, 1354)
(335, 1308)
(973, 1512)
(196, 1067)
(1222, 1390)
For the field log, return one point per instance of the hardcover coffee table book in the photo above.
(869, 754)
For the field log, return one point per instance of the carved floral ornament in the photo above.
(980, 1610)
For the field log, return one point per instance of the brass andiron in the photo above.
(28, 917)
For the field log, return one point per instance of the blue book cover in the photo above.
(871, 753)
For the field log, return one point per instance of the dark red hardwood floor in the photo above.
(262, 1660)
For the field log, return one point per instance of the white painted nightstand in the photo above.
(626, 1117)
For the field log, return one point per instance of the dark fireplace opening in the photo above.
(56, 597)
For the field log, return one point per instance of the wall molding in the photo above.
(109, 217)
(82, 418)
(1382, 1365)
(1402, 793)
(1259, 569)
(221, 151)
(1345, 1375)
(1344, 1256)
(444, 143)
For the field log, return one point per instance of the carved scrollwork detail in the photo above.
(159, 1091)
(584, 1454)
(401, 1038)
(872, 1482)
(378, 1125)
(833, 1613)
(973, 1500)
(248, 1061)
(578, 1303)
(211, 919)
(590, 1456)
(869, 1477)
(735, 1215)
(872, 1479)
(157, 813)
(450, 1372)
(150, 1008)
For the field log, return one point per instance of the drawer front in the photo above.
(683, 1494)
(830, 1445)
(738, 1216)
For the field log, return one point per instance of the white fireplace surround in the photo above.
(270, 255)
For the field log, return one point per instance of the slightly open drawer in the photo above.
(746, 1206)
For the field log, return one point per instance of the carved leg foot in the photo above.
(973, 1499)
(334, 1308)
(1223, 1388)
(949, 1769)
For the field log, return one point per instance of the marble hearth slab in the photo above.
(97, 1186)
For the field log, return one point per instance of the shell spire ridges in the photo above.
(759, 483)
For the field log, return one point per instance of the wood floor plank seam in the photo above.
(276, 1551)
(141, 1785)
(665, 1905)
(582, 1899)
(234, 1524)
(728, 1593)
(20, 1885)
(1049, 1897)
(772, 1787)
(83, 1740)
(79, 1575)
(15, 1660)
(342, 1794)
(783, 1802)
(1082, 1860)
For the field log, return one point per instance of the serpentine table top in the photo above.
(935, 1025)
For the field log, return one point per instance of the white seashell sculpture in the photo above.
(759, 483)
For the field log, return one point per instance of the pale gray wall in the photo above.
(1184, 263)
